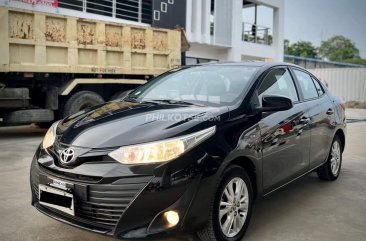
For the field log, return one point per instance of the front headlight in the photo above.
(50, 136)
(161, 151)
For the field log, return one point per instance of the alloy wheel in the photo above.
(234, 204)
(335, 160)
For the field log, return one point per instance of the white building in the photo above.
(217, 30)
(226, 30)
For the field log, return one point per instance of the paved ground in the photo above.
(306, 210)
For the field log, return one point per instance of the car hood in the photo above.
(122, 123)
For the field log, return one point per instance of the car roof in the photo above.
(246, 63)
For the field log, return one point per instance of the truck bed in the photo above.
(47, 43)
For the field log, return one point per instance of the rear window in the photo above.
(318, 87)
(307, 85)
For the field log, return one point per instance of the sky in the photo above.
(317, 20)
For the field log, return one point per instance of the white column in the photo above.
(223, 17)
(196, 21)
(205, 15)
(234, 53)
(189, 18)
(278, 32)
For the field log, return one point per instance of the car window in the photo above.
(307, 84)
(318, 87)
(278, 82)
(208, 85)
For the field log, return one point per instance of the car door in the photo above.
(284, 134)
(321, 113)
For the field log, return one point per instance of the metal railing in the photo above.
(133, 10)
(255, 33)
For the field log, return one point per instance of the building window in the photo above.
(101, 7)
(127, 9)
(146, 11)
(132, 10)
(71, 4)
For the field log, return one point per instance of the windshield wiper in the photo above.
(177, 102)
(130, 99)
(172, 102)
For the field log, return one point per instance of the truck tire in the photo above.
(21, 117)
(79, 101)
(120, 94)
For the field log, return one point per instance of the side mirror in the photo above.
(275, 103)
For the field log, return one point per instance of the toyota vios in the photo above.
(189, 151)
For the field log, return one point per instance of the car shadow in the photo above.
(281, 204)
(284, 205)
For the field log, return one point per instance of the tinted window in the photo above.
(319, 89)
(209, 85)
(307, 84)
(278, 82)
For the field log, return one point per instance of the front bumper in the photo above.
(126, 207)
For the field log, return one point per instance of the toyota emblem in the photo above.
(67, 155)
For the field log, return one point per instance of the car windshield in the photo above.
(205, 85)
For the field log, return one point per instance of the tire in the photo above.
(331, 169)
(213, 231)
(20, 117)
(120, 94)
(79, 101)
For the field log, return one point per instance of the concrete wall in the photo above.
(347, 83)
(207, 51)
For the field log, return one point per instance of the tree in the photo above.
(301, 48)
(356, 61)
(338, 48)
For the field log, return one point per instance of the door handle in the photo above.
(305, 120)
(330, 111)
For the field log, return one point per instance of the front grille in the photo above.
(106, 203)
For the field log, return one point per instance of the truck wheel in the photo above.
(79, 101)
(22, 117)
(120, 94)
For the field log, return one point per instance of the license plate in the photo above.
(57, 199)
(58, 184)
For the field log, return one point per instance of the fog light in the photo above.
(172, 217)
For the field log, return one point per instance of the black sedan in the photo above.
(190, 151)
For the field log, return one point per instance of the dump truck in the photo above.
(52, 65)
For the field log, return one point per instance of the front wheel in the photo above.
(231, 207)
(79, 101)
(331, 169)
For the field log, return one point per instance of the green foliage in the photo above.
(338, 48)
(301, 48)
(356, 61)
